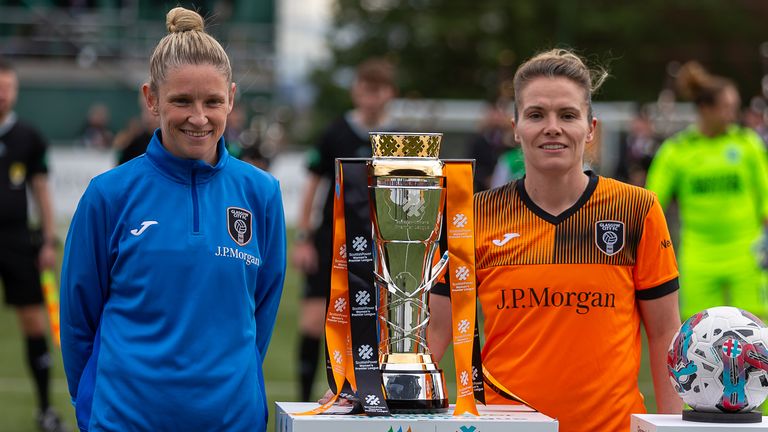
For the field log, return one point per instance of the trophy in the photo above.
(407, 197)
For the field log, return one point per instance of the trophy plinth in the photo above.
(407, 191)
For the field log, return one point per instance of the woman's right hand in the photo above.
(340, 401)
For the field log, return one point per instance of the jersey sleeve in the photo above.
(655, 271)
(38, 163)
(84, 284)
(442, 286)
(662, 174)
(759, 160)
(320, 159)
(272, 276)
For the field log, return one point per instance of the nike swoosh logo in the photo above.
(507, 238)
(144, 226)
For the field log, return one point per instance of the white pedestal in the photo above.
(493, 418)
(675, 423)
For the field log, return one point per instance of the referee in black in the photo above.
(22, 255)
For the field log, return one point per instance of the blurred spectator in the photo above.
(716, 171)
(23, 158)
(134, 139)
(510, 166)
(371, 92)
(493, 139)
(236, 121)
(754, 117)
(636, 150)
(255, 156)
(96, 133)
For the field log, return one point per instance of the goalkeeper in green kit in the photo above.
(717, 173)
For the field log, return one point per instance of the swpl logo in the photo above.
(359, 243)
(362, 298)
(365, 352)
(340, 304)
(460, 220)
(462, 273)
(463, 326)
(464, 378)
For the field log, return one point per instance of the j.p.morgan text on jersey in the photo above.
(228, 252)
(514, 298)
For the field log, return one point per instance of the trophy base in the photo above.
(417, 406)
(413, 384)
(721, 417)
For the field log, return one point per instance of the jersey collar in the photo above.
(554, 220)
(696, 132)
(181, 170)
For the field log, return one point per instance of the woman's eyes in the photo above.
(185, 102)
(564, 116)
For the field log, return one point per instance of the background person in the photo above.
(636, 149)
(510, 166)
(96, 133)
(132, 141)
(23, 166)
(346, 137)
(717, 173)
(174, 263)
(492, 141)
(566, 258)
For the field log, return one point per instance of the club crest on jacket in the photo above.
(239, 225)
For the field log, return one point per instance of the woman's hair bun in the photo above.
(692, 79)
(180, 20)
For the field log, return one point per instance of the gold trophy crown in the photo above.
(403, 144)
(403, 153)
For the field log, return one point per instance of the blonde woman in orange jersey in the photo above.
(569, 264)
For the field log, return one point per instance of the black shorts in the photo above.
(318, 284)
(18, 268)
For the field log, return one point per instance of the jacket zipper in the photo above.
(195, 205)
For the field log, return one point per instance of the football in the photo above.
(718, 361)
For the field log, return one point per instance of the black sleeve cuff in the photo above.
(658, 291)
(441, 289)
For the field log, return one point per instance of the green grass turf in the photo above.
(17, 400)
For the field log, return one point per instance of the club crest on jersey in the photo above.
(609, 236)
(239, 225)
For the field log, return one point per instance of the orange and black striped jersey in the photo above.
(558, 293)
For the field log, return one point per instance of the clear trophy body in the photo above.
(407, 198)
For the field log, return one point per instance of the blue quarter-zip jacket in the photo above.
(172, 275)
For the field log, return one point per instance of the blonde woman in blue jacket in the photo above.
(174, 263)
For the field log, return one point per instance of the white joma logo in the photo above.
(507, 237)
(144, 226)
